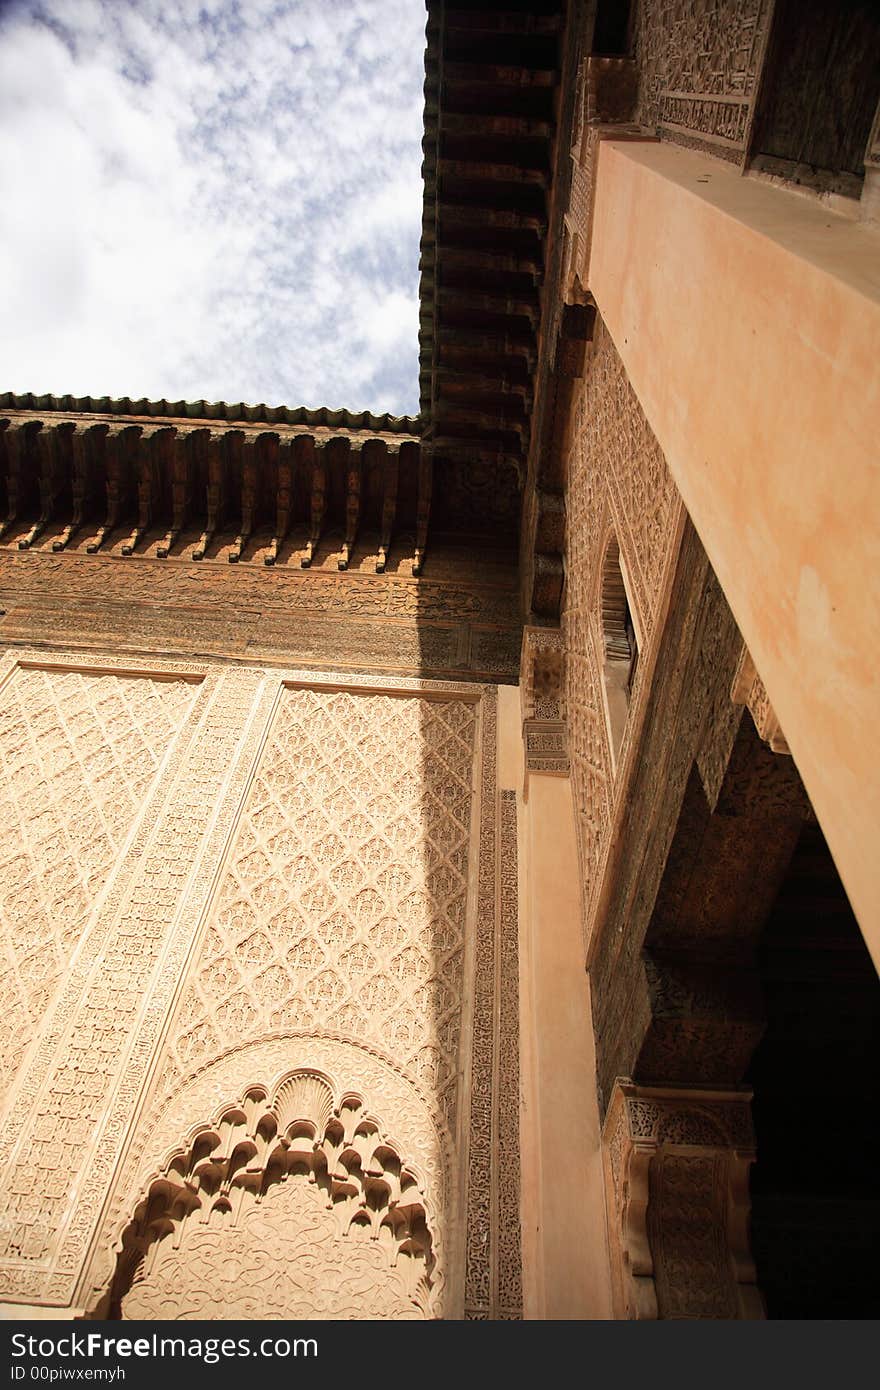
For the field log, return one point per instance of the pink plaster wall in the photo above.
(748, 319)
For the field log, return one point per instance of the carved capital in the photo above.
(748, 689)
(542, 696)
(676, 1171)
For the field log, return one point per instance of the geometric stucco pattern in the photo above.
(75, 1095)
(342, 908)
(78, 754)
(619, 487)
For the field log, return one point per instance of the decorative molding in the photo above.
(452, 625)
(748, 689)
(493, 1260)
(676, 1171)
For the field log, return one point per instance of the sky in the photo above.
(214, 199)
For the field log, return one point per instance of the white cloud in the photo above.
(216, 198)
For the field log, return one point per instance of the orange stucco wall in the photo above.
(748, 319)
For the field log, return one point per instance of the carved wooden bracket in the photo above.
(748, 689)
(542, 696)
(677, 1182)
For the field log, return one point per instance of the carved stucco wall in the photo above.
(699, 63)
(251, 1270)
(618, 486)
(364, 922)
(79, 753)
(342, 906)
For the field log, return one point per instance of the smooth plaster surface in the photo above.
(748, 320)
(566, 1262)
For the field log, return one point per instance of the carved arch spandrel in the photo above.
(341, 1218)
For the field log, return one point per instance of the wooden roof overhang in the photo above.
(139, 467)
(498, 94)
(491, 99)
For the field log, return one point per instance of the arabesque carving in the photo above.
(542, 699)
(748, 689)
(289, 1204)
(699, 63)
(343, 905)
(618, 481)
(676, 1166)
(86, 1071)
(79, 752)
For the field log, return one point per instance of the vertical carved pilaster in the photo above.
(542, 699)
(676, 1170)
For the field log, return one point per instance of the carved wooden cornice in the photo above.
(491, 95)
(115, 473)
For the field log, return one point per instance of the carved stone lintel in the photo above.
(542, 685)
(676, 1173)
(748, 689)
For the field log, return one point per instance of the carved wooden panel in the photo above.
(458, 620)
(699, 63)
(79, 753)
